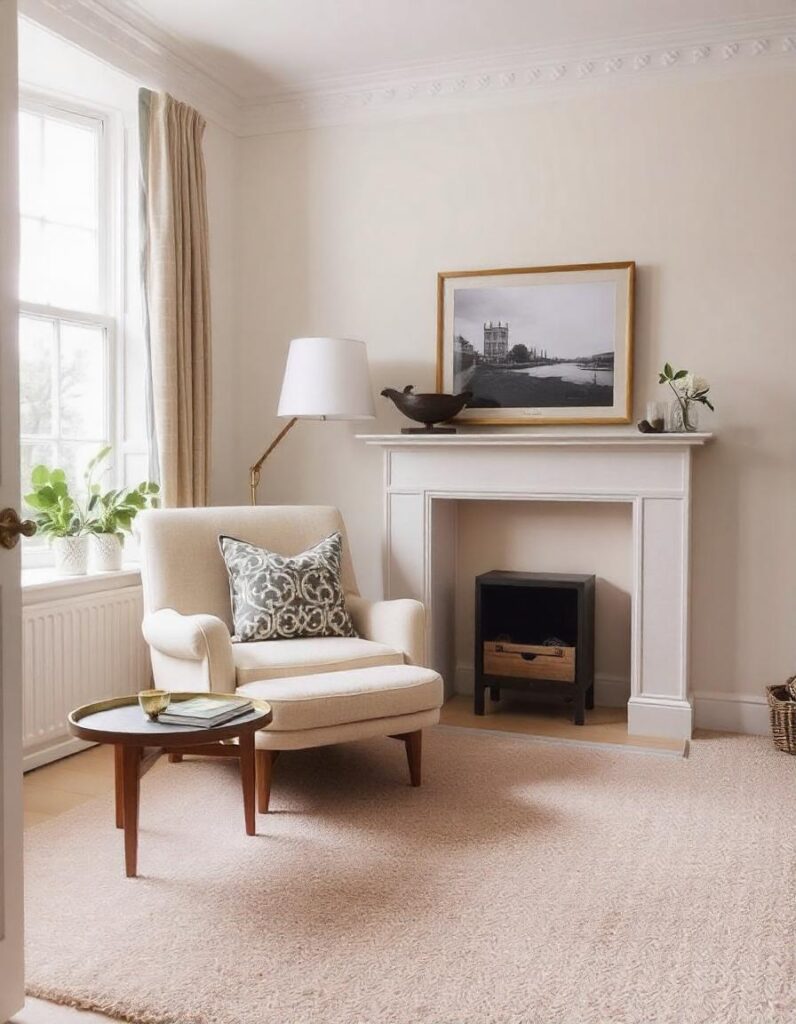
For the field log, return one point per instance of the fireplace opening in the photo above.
(534, 632)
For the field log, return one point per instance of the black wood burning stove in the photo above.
(535, 632)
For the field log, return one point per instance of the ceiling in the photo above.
(261, 48)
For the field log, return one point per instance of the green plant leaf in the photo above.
(101, 454)
(667, 371)
(39, 476)
(680, 374)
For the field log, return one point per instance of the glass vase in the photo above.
(683, 417)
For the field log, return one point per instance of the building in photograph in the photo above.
(496, 341)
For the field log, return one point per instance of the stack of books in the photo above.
(204, 712)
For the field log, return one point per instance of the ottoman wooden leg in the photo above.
(413, 741)
(414, 755)
(265, 768)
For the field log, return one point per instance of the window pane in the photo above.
(82, 377)
(36, 355)
(73, 459)
(73, 267)
(70, 173)
(30, 159)
(32, 263)
(34, 454)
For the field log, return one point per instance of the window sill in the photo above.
(40, 585)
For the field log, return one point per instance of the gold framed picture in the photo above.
(538, 345)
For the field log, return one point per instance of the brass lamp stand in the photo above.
(254, 472)
(325, 379)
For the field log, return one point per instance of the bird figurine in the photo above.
(428, 409)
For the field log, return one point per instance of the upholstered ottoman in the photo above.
(334, 707)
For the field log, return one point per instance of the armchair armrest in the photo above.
(400, 624)
(191, 651)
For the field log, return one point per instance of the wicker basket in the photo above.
(782, 707)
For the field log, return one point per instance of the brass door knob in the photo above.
(11, 526)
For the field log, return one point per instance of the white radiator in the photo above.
(79, 644)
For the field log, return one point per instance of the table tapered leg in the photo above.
(118, 778)
(247, 778)
(131, 762)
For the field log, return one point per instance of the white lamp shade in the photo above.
(327, 377)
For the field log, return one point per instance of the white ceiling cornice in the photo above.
(120, 34)
(123, 37)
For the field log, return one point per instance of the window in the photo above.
(66, 329)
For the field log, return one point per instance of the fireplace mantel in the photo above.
(591, 439)
(427, 475)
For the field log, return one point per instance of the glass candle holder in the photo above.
(656, 415)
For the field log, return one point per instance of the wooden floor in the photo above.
(603, 725)
(37, 1011)
(54, 788)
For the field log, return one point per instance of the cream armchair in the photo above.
(323, 690)
(187, 612)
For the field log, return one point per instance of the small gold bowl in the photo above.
(153, 702)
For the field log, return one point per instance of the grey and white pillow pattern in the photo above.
(275, 597)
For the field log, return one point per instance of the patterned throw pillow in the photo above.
(279, 598)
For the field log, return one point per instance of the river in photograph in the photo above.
(571, 373)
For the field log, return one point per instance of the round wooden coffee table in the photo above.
(140, 742)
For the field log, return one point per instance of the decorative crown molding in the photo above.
(121, 35)
(117, 31)
(521, 77)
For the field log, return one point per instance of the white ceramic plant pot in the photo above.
(71, 555)
(106, 552)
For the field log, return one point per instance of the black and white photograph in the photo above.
(551, 344)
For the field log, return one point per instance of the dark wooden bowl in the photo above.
(428, 409)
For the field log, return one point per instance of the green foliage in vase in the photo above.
(686, 386)
(114, 511)
(55, 511)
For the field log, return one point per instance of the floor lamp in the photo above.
(325, 379)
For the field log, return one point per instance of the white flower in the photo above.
(692, 385)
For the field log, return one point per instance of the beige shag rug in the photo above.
(525, 883)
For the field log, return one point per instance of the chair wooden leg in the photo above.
(414, 754)
(175, 758)
(265, 768)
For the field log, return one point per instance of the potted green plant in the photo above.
(58, 517)
(110, 515)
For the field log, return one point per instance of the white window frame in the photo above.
(111, 237)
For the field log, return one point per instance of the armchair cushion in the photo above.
(276, 659)
(336, 698)
(281, 597)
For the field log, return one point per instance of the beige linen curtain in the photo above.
(177, 296)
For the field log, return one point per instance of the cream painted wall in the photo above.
(342, 230)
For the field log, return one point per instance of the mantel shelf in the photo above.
(589, 439)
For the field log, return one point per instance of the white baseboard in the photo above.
(722, 712)
(54, 752)
(609, 691)
(731, 712)
(660, 716)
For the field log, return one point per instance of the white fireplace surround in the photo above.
(426, 475)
